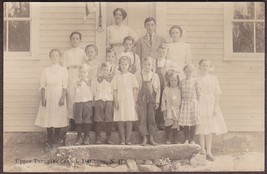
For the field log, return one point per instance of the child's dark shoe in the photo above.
(122, 142)
(176, 142)
(86, 141)
(152, 142)
(78, 142)
(109, 141)
(128, 142)
(186, 142)
(144, 141)
(168, 142)
(98, 140)
(192, 142)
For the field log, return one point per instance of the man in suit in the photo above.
(148, 45)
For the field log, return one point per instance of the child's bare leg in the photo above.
(152, 126)
(144, 142)
(202, 143)
(192, 134)
(129, 127)
(208, 146)
(122, 132)
(208, 143)
(152, 141)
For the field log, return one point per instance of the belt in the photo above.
(73, 67)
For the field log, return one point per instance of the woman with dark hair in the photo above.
(178, 51)
(118, 31)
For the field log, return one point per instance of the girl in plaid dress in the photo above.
(189, 105)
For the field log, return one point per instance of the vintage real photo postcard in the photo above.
(133, 86)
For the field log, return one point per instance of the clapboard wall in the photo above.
(21, 77)
(242, 82)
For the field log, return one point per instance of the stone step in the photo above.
(160, 137)
(137, 152)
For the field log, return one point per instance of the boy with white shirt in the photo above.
(83, 106)
(103, 108)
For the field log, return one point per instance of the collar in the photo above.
(147, 35)
(147, 75)
(55, 65)
(126, 53)
(161, 63)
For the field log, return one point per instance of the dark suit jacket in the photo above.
(144, 49)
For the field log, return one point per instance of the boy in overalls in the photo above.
(148, 101)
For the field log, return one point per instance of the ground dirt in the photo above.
(30, 158)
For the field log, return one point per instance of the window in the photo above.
(244, 30)
(19, 38)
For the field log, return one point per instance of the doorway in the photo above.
(137, 12)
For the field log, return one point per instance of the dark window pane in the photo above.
(243, 37)
(260, 42)
(4, 36)
(19, 36)
(260, 9)
(18, 9)
(244, 10)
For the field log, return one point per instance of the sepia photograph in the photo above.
(133, 86)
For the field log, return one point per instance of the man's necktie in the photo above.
(150, 39)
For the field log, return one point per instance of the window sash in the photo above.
(229, 55)
(7, 19)
(34, 36)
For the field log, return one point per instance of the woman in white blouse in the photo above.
(118, 31)
(178, 51)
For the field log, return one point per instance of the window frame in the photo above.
(34, 36)
(229, 55)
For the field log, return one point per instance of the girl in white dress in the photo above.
(53, 113)
(118, 31)
(125, 91)
(178, 51)
(73, 58)
(210, 114)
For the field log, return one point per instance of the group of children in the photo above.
(125, 89)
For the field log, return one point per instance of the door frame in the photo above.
(160, 16)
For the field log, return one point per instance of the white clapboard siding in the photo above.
(21, 77)
(242, 82)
